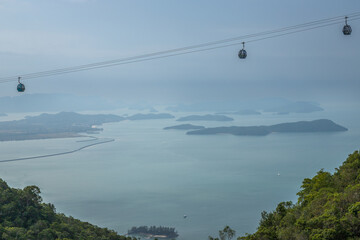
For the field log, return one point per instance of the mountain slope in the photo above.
(23, 216)
(328, 207)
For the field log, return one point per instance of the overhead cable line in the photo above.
(183, 53)
(191, 49)
(297, 31)
(111, 62)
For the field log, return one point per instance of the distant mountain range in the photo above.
(184, 127)
(74, 103)
(208, 117)
(242, 112)
(148, 116)
(322, 125)
(276, 105)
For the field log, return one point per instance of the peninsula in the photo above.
(208, 117)
(60, 125)
(321, 125)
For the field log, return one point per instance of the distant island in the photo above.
(3, 114)
(153, 232)
(148, 116)
(242, 112)
(184, 127)
(322, 125)
(207, 117)
(141, 107)
(60, 125)
(275, 105)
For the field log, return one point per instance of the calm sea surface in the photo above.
(151, 176)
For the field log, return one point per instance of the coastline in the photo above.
(149, 236)
(58, 154)
(24, 137)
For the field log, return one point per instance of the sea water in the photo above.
(150, 176)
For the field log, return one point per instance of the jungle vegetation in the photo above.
(23, 216)
(328, 208)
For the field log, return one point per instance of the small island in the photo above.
(141, 116)
(3, 114)
(153, 232)
(208, 117)
(316, 126)
(60, 125)
(185, 127)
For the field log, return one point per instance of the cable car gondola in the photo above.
(20, 86)
(242, 53)
(346, 29)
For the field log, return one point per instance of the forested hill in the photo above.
(23, 216)
(315, 126)
(328, 208)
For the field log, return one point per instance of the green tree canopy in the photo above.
(23, 216)
(328, 208)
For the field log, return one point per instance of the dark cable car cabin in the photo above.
(242, 53)
(20, 86)
(346, 29)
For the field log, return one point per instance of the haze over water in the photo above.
(151, 176)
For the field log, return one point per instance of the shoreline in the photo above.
(57, 154)
(24, 137)
(150, 236)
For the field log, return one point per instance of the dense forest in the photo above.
(23, 216)
(328, 207)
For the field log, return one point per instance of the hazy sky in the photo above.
(319, 65)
